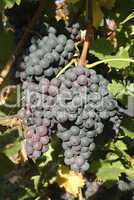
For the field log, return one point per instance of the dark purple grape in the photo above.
(29, 149)
(79, 161)
(44, 140)
(45, 148)
(52, 90)
(36, 154)
(37, 146)
(85, 166)
(75, 140)
(82, 80)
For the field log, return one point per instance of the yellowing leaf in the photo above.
(97, 14)
(69, 180)
(109, 4)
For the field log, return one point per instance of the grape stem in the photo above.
(22, 42)
(65, 68)
(80, 197)
(11, 121)
(109, 60)
(89, 35)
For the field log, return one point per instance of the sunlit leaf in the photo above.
(12, 149)
(18, 2)
(128, 132)
(36, 181)
(121, 145)
(112, 156)
(116, 87)
(69, 180)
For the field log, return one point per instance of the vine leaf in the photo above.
(112, 156)
(122, 53)
(128, 128)
(106, 171)
(70, 180)
(101, 47)
(6, 47)
(10, 3)
(130, 89)
(119, 61)
(128, 132)
(130, 172)
(18, 2)
(116, 87)
(109, 173)
(36, 180)
(121, 145)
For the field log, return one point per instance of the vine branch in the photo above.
(22, 42)
(109, 60)
(89, 34)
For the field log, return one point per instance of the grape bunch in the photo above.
(126, 183)
(91, 188)
(77, 104)
(46, 56)
(82, 108)
(38, 100)
(74, 30)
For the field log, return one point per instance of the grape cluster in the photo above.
(37, 103)
(126, 184)
(91, 188)
(46, 56)
(74, 30)
(82, 106)
(77, 104)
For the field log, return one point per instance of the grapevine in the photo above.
(66, 115)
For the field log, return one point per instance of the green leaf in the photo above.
(128, 132)
(112, 156)
(109, 173)
(9, 3)
(130, 172)
(101, 47)
(6, 165)
(36, 181)
(7, 138)
(12, 149)
(116, 87)
(130, 89)
(122, 53)
(121, 145)
(96, 165)
(2, 114)
(128, 128)
(18, 2)
(129, 17)
(106, 171)
(6, 46)
(48, 157)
